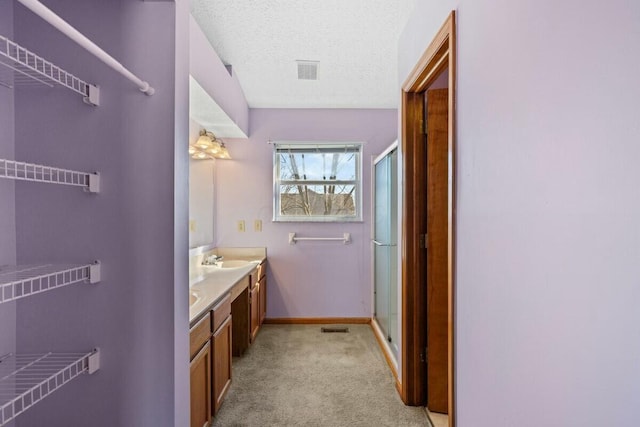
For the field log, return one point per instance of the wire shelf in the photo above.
(39, 173)
(30, 68)
(22, 281)
(26, 379)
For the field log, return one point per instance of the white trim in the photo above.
(388, 150)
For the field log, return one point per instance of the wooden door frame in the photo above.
(439, 56)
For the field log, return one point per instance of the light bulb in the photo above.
(223, 154)
(203, 142)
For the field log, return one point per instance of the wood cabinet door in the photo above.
(263, 299)
(221, 363)
(200, 375)
(255, 311)
(241, 314)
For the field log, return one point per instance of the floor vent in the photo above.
(327, 330)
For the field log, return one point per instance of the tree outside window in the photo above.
(317, 182)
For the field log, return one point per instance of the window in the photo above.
(317, 182)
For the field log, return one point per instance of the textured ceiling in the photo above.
(354, 40)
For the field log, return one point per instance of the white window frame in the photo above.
(357, 182)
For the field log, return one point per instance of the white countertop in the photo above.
(213, 283)
(210, 283)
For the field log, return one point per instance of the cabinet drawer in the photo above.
(221, 311)
(199, 334)
(253, 278)
(239, 287)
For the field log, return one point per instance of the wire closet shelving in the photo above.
(22, 281)
(30, 68)
(40, 173)
(26, 379)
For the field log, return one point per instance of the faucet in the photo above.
(212, 260)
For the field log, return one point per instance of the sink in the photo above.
(233, 263)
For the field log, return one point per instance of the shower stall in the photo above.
(385, 245)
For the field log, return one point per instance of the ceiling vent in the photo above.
(308, 70)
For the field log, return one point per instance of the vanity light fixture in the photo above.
(223, 153)
(208, 146)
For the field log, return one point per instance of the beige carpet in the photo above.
(294, 375)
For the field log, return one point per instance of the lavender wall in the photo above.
(181, 376)
(548, 206)
(310, 279)
(207, 68)
(135, 314)
(7, 192)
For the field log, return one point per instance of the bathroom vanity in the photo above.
(227, 305)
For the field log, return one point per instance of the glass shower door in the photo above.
(385, 247)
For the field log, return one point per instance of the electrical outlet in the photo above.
(257, 225)
(241, 225)
(192, 225)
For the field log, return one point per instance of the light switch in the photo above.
(192, 225)
(241, 225)
(257, 225)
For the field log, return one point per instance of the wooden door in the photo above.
(221, 363)
(437, 253)
(200, 375)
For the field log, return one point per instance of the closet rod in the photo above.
(45, 13)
